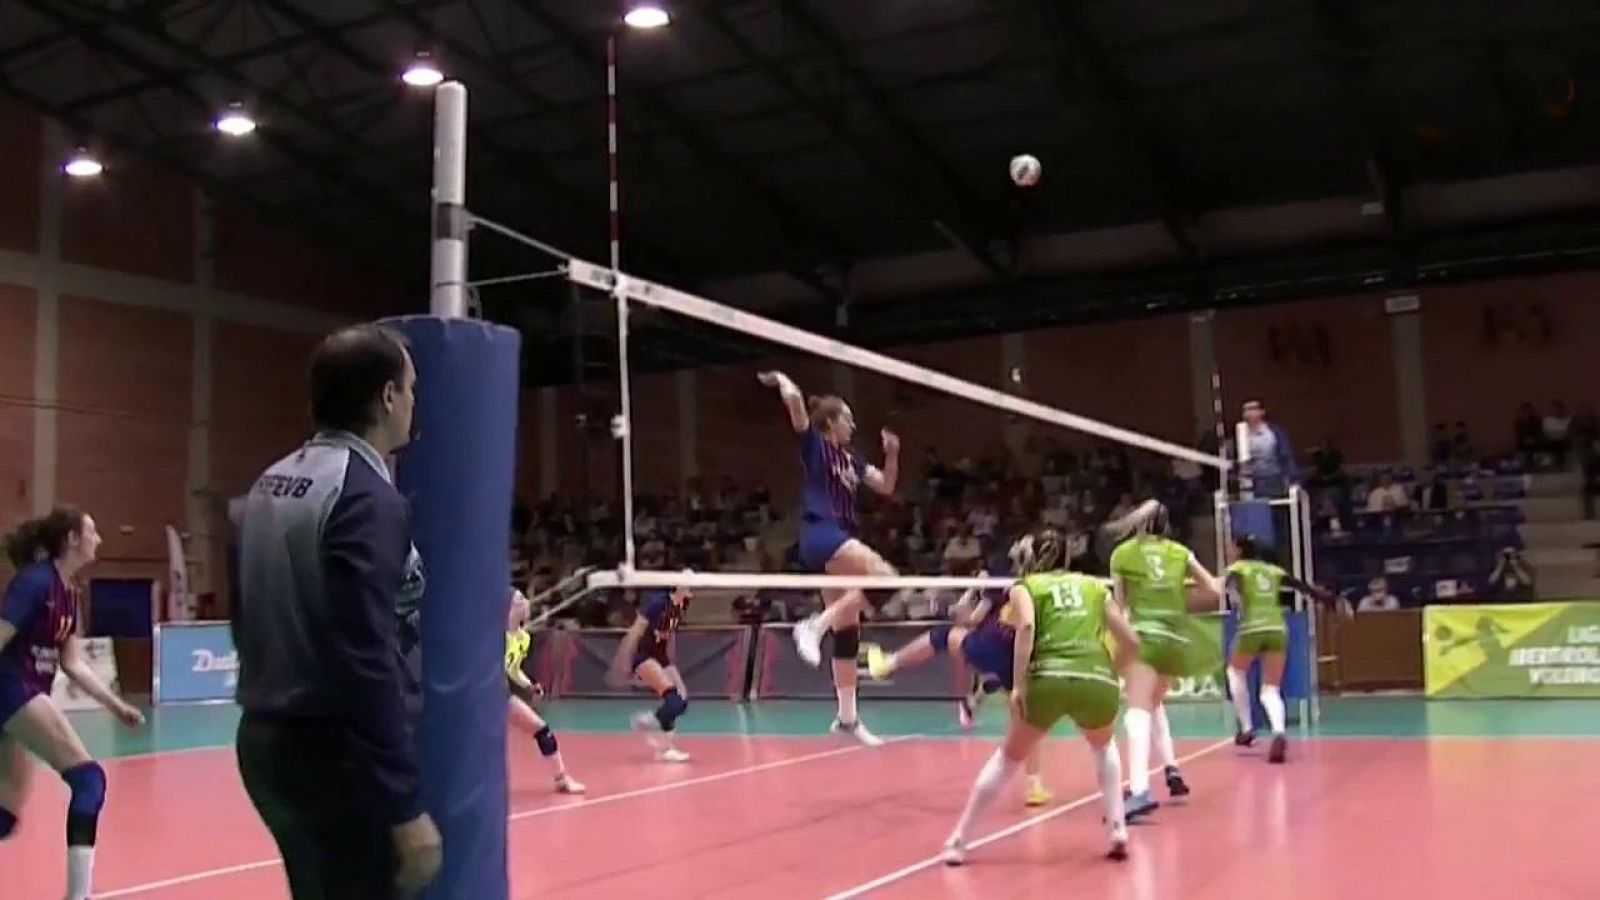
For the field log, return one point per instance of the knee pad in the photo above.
(847, 643)
(8, 824)
(546, 739)
(88, 785)
(939, 637)
(672, 706)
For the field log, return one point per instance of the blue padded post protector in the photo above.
(458, 475)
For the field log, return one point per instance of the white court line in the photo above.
(867, 888)
(531, 813)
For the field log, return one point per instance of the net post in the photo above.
(1223, 525)
(624, 425)
(1301, 519)
(620, 294)
(449, 224)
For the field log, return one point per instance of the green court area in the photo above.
(180, 728)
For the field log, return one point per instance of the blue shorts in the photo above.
(819, 541)
(989, 650)
(14, 695)
(658, 653)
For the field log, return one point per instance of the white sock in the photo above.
(561, 767)
(1161, 733)
(1239, 688)
(847, 705)
(1108, 768)
(80, 872)
(994, 775)
(1272, 702)
(1137, 723)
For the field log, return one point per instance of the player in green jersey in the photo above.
(1151, 574)
(1060, 669)
(1255, 588)
(525, 692)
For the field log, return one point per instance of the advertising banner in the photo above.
(1512, 650)
(712, 660)
(195, 662)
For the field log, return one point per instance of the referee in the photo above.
(324, 746)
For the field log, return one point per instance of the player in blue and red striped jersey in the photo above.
(834, 474)
(38, 620)
(645, 651)
(982, 636)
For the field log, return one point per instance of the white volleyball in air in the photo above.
(1025, 170)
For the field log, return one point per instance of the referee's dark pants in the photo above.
(309, 788)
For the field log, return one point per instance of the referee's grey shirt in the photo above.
(324, 554)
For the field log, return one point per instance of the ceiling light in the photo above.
(422, 72)
(82, 165)
(235, 123)
(646, 15)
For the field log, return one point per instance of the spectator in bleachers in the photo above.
(1529, 432)
(1433, 491)
(1444, 445)
(1327, 466)
(963, 550)
(1272, 467)
(1512, 578)
(1591, 481)
(1329, 519)
(1462, 450)
(1585, 430)
(1558, 434)
(1387, 496)
(1378, 598)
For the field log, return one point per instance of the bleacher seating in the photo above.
(1425, 554)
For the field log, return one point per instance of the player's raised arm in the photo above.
(883, 481)
(1208, 583)
(793, 401)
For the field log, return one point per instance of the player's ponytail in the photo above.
(42, 538)
(22, 543)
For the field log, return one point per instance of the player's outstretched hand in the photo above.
(771, 379)
(891, 443)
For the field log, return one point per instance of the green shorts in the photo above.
(1181, 646)
(1087, 694)
(1255, 643)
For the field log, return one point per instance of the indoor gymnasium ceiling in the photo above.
(783, 153)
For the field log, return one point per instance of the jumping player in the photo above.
(525, 692)
(1060, 669)
(644, 652)
(1255, 587)
(38, 620)
(833, 473)
(982, 637)
(1150, 572)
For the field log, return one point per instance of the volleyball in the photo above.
(1025, 170)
